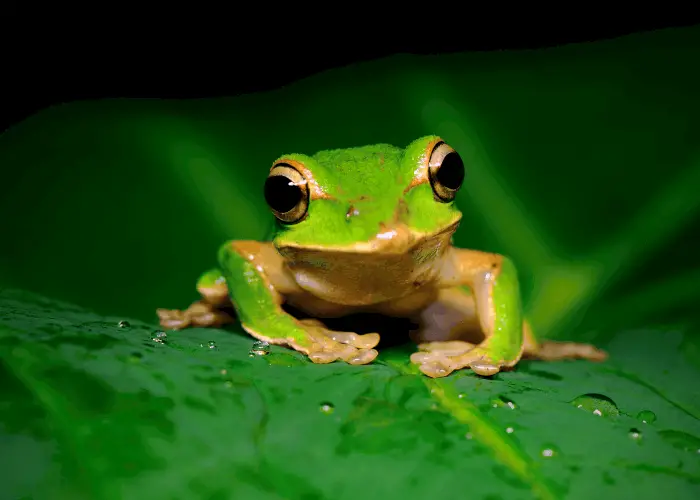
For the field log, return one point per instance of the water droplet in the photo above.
(635, 433)
(597, 404)
(681, 440)
(327, 408)
(460, 395)
(503, 402)
(212, 344)
(646, 416)
(223, 371)
(160, 336)
(259, 348)
(548, 452)
(509, 430)
(468, 435)
(124, 324)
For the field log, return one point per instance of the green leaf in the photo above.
(108, 408)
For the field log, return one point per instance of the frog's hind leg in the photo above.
(554, 350)
(449, 329)
(211, 310)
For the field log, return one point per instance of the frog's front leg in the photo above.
(494, 283)
(258, 283)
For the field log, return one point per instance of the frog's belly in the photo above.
(362, 280)
(408, 306)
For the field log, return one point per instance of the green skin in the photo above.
(355, 195)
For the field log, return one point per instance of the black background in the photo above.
(70, 62)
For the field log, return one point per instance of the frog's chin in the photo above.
(394, 264)
(392, 240)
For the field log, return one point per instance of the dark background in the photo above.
(585, 136)
(74, 63)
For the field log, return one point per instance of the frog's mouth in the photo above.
(393, 239)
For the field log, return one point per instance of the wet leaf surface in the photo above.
(99, 410)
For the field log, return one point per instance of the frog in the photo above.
(370, 230)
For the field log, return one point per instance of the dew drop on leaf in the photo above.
(635, 434)
(597, 404)
(160, 336)
(549, 451)
(124, 324)
(681, 440)
(259, 348)
(503, 402)
(327, 408)
(212, 344)
(646, 416)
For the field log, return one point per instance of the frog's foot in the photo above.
(553, 351)
(439, 359)
(329, 345)
(200, 313)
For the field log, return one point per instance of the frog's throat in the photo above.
(391, 239)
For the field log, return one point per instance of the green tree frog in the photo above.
(369, 229)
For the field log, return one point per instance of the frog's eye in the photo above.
(446, 172)
(287, 193)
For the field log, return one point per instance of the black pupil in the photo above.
(451, 172)
(281, 195)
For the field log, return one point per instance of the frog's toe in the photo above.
(329, 345)
(323, 357)
(198, 314)
(432, 364)
(436, 368)
(332, 351)
(438, 360)
(211, 318)
(362, 357)
(480, 361)
(365, 341)
(205, 314)
(173, 319)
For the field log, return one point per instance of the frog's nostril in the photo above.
(352, 212)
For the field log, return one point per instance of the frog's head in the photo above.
(372, 199)
(369, 208)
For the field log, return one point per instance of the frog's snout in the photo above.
(394, 238)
